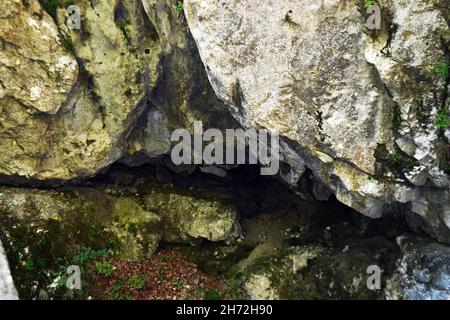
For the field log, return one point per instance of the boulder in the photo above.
(358, 106)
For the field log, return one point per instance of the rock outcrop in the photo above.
(7, 289)
(73, 101)
(358, 106)
(70, 115)
(423, 272)
(362, 114)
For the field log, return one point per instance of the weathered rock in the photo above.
(182, 93)
(84, 90)
(7, 289)
(344, 95)
(43, 230)
(36, 71)
(423, 271)
(259, 287)
(186, 218)
(137, 230)
(80, 217)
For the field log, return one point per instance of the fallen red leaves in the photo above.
(168, 275)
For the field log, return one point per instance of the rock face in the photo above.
(70, 116)
(423, 272)
(185, 218)
(7, 289)
(51, 71)
(73, 102)
(137, 223)
(358, 106)
(362, 114)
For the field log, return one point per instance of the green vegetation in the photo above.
(87, 255)
(443, 119)
(51, 6)
(123, 26)
(410, 163)
(136, 281)
(95, 97)
(117, 293)
(441, 68)
(213, 295)
(446, 168)
(398, 160)
(67, 43)
(82, 259)
(178, 283)
(104, 268)
(397, 117)
(395, 159)
(369, 3)
(178, 7)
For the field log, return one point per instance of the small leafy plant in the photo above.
(51, 6)
(136, 281)
(117, 293)
(369, 3)
(441, 68)
(67, 43)
(178, 283)
(178, 7)
(397, 120)
(104, 268)
(443, 119)
(395, 159)
(213, 295)
(123, 26)
(87, 254)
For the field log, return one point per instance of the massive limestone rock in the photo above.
(73, 101)
(69, 98)
(356, 106)
(37, 74)
(186, 218)
(7, 288)
(182, 93)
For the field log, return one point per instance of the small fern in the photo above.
(443, 119)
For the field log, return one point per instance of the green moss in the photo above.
(66, 42)
(443, 119)
(441, 68)
(369, 3)
(123, 26)
(397, 120)
(52, 6)
(178, 7)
